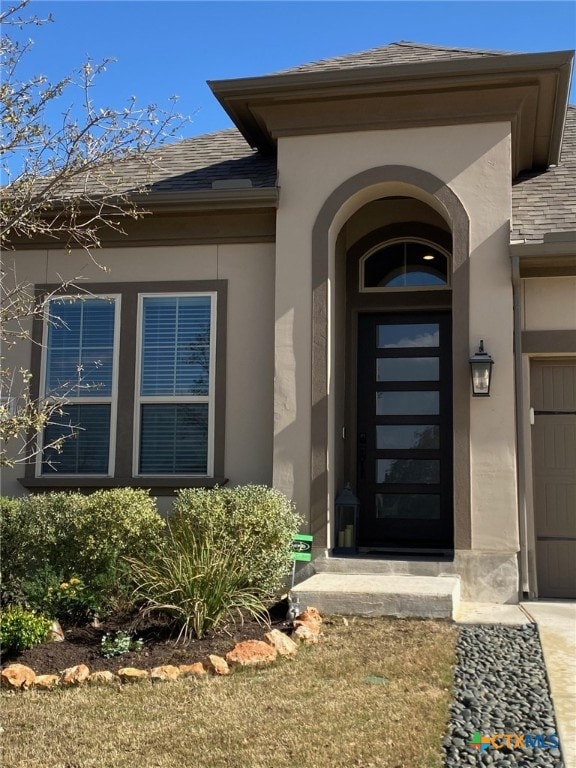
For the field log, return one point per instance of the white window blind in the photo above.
(80, 364)
(175, 391)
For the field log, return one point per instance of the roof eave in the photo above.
(209, 199)
(554, 256)
(236, 95)
(553, 244)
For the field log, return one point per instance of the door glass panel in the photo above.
(407, 471)
(408, 506)
(407, 436)
(413, 335)
(407, 403)
(408, 369)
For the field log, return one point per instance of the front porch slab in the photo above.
(485, 577)
(380, 595)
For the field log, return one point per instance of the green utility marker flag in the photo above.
(302, 547)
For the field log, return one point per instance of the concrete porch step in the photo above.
(380, 595)
(386, 565)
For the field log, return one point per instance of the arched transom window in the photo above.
(404, 264)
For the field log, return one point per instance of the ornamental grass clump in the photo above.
(197, 580)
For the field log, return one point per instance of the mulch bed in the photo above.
(82, 644)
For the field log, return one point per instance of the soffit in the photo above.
(528, 90)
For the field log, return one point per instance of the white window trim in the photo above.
(112, 398)
(400, 288)
(210, 398)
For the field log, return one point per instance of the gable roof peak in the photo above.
(451, 48)
(399, 52)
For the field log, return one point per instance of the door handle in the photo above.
(361, 454)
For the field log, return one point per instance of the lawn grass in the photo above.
(327, 708)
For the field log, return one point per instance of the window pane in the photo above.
(407, 436)
(407, 403)
(407, 369)
(176, 345)
(174, 438)
(407, 471)
(409, 335)
(85, 449)
(80, 347)
(408, 506)
(405, 265)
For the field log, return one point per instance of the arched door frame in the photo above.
(322, 257)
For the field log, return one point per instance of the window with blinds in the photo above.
(175, 384)
(80, 361)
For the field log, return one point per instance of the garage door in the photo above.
(553, 398)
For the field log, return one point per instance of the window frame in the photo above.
(362, 288)
(140, 399)
(111, 399)
(122, 475)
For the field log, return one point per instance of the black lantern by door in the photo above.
(347, 507)
(481, 369)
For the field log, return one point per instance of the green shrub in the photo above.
(87, 536)
(11, 554)
(21, 629)
(196, 579)
(64, 598)
(258, 522)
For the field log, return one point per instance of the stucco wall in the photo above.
(474, 161)
(549, 304)
(249, 269)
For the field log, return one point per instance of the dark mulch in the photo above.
(82, 644)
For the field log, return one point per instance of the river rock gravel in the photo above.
(500, 687)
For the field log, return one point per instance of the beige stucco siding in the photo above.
(549, 304)
(249, 270)
(475, 162)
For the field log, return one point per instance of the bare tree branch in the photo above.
(69, 182)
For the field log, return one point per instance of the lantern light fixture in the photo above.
(347, 507)
(481, 369)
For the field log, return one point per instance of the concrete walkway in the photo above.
(556, 620)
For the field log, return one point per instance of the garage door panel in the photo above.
(556, 502)
(556, 562)
(553, 397)
(554, 386)
(555, 445)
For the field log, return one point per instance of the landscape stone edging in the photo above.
(248, 653)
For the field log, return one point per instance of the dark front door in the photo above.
(404, 437)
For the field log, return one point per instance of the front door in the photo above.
(404, 431)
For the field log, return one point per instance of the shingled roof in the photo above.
(546, 202)
(541, 202)
(196, 163)
(402, 52)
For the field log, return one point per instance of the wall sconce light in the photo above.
(481, 369)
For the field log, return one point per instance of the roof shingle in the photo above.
(196, 163)
(546, 202)
(402, 52)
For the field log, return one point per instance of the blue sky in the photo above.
(172, 47)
